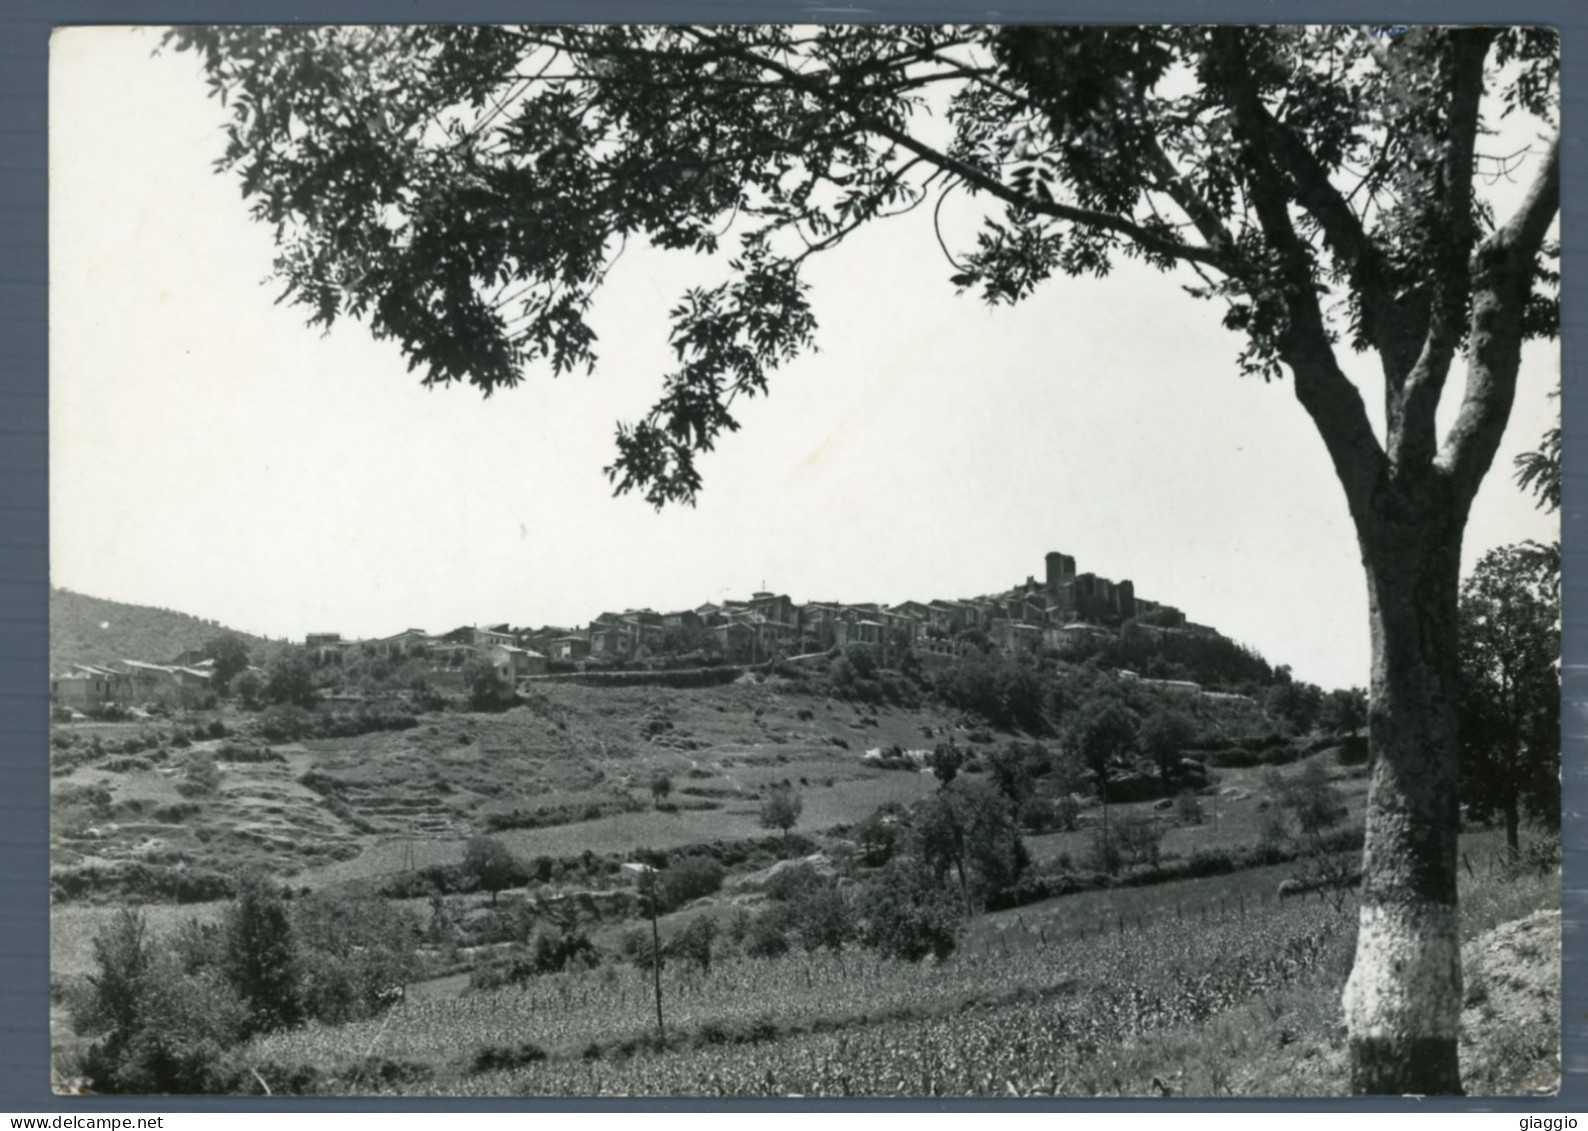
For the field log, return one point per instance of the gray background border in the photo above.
(24, 533)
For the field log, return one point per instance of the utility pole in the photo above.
(656, 954)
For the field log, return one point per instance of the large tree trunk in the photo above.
(1403, 999)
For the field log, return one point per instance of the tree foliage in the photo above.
(1102, 735)
(290, 679)
(231, 659)
(967, 830)
(1163, 737)
(492, 864)
(781, 808)
(1510, 689)
(466, 189)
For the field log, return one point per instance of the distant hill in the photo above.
(89, 630)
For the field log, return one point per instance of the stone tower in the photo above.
(1061, 570)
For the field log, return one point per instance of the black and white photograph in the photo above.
(854, 560)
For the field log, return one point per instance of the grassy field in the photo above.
(1242, 1004)
(578, 761)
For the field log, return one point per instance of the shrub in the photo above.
(1188, 809)
(285, 723)
(693, 943)
(200, 776)
(1066, 813)
(909, 914)
(1036, 815)
(162, 1031)
(823, 917)
(1139, 837)
(689, 878)
(793, 882)
(186, 1025)
(878, 835)
(767, 935)
(553, 953)
(494, 1058)
(140, 880)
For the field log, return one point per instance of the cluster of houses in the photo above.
(1063, 608)
(83, 687)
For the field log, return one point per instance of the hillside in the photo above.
(90, 630)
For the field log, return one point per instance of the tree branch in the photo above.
(1503, 279)
(978, 178)
(1449, 225)
(1330, 399)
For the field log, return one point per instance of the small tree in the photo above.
(1188, 809)
(1309, 798)
(781, 808)
(1140, 838)
(200, 776)
(823, 917)
(1344, 710)
(946, 761)
(1163, 737)
(488, 691)
(231, 659)
(909, 914)
(249, 689)
(261, 955)
(492, 865)
(694, 943)
(1510, 690)
(661, 788)
(1009, 769)
(1103, 733)
(290, 679)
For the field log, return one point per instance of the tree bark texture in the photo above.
(1403, 999)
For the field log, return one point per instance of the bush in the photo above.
(1188, 809)
(793, 882)
(909, 914)
(246, 752)
(554, 953)
(690, 878)
(494, 1058)
(179, 1045)
(136, 879)
(162, 1031)
(693, 943)
(1036, 815)
(287, 724)
(1066, 814)
(1139, 837)
(200, 776)
(823, 917)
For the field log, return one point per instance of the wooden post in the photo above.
(656, 957)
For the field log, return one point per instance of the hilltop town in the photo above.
(1062, 608)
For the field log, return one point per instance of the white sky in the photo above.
(210, 453)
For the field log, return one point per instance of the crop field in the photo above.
(1056, 998)
(566, 1014)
